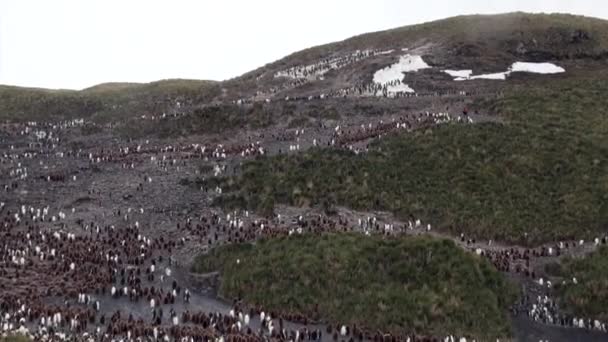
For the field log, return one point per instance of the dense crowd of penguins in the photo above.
(105, 264)
(62, 278)
(297, 76)
(325, 65)
(55, 284)
(301, 75)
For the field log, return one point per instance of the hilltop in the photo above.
(481, 43)
(104, 102)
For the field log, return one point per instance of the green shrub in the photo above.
(589, 297)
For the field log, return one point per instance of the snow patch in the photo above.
(390, 78)
(496, 76)
(399, 88)
(459, 73)
(387, 52)
(537, 68)
(407, 63)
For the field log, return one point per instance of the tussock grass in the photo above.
(15, 338)
(589, 297)
(109, 102)
(401, 285)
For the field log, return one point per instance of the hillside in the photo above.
(104, 102)
(486, 42)
(483, 43)
(538, 177)
(396, 182)
(559, 113)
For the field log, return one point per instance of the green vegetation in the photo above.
(205, 120)
(15, 338)
(123, 103)
(589, 297)
(544, 172)
(102, 103)
(401, 285)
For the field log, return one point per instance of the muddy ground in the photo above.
(90, 182)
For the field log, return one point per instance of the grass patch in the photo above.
(299, 122)
(541, 176)
(589, 297)
(205, 120)
(110, 102)
(15, 338)
(401, 285)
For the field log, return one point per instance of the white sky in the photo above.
(79, 43)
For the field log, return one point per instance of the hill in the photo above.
(539, 164)
(482, 43)
(401, 285)
(522, 35)
(539, 161)
(537, 177)
(103, 103)
(296, 182)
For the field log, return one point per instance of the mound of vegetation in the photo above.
(401, 285)
(540, 176)
(589, 296)
(205, 120)
(105, 102)
(14, 338)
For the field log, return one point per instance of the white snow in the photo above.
(496, 76)
(386, 52)
(538, 68)
(407, 63)
(459, 73)
(392, 76)
(399, 88)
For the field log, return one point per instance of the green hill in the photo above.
(589, 296)
(103, 103)
(401, 285)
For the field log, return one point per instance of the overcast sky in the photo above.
(76, 44)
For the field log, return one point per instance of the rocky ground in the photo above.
(120, 196)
